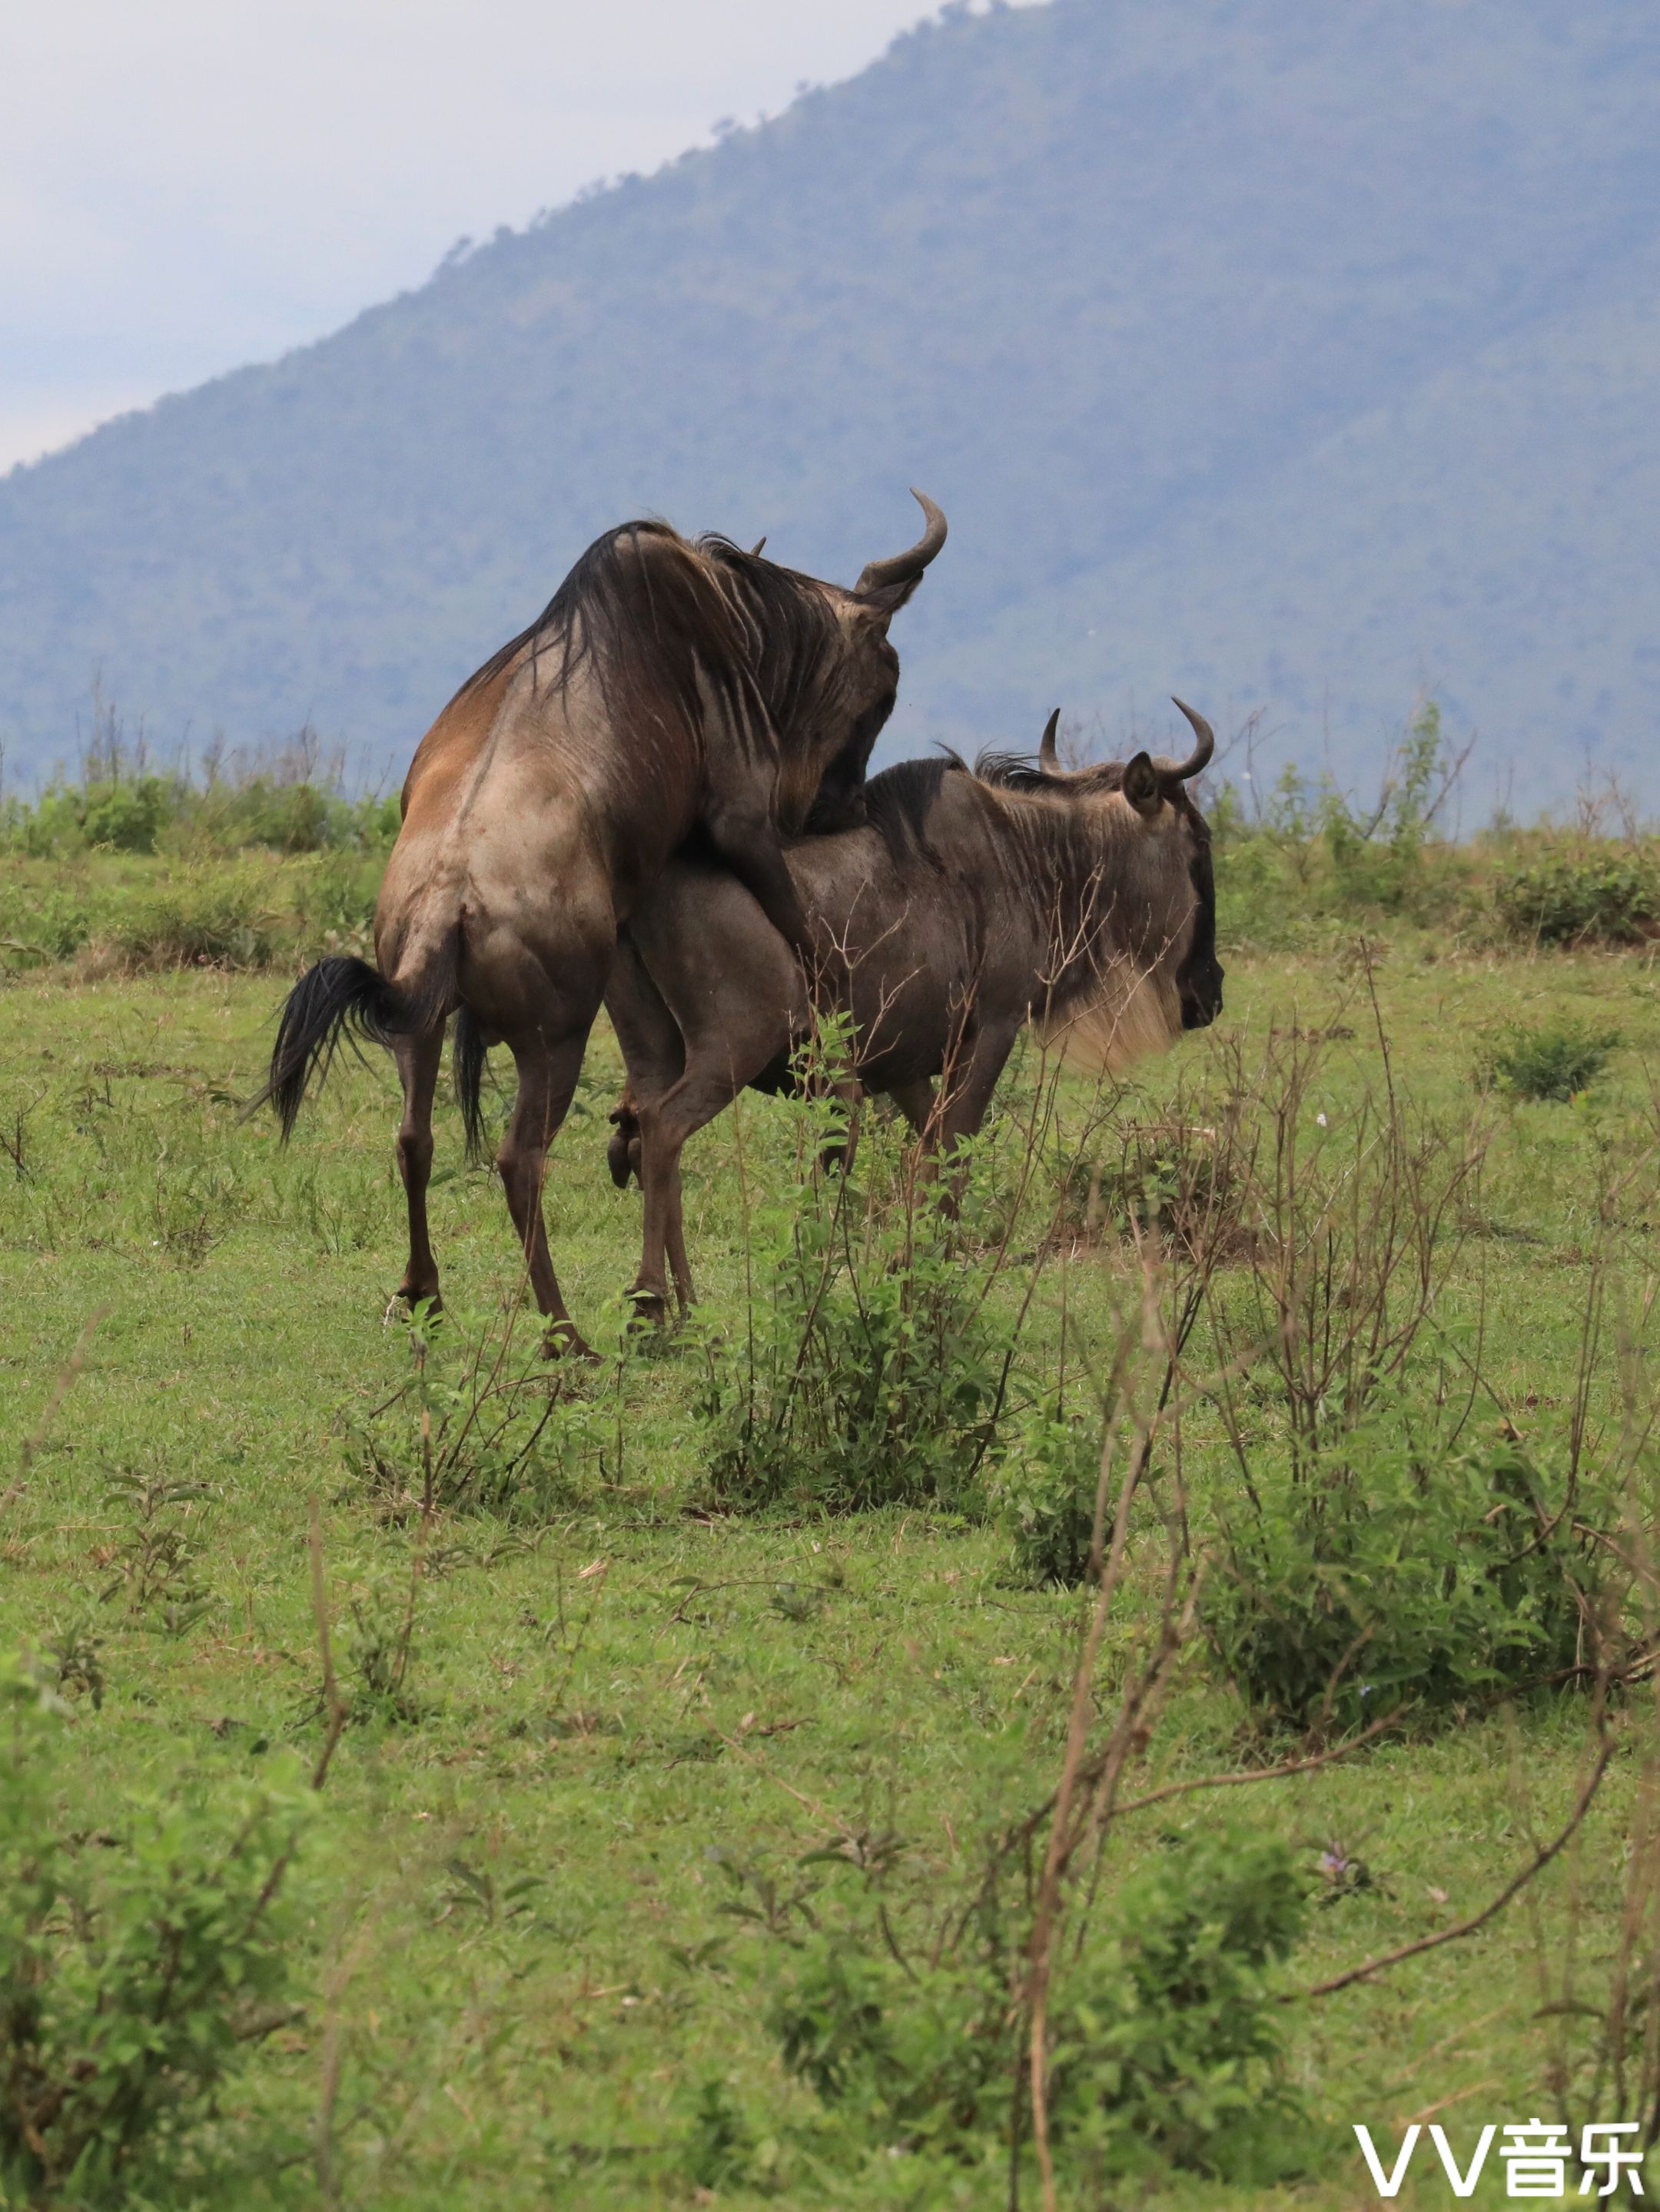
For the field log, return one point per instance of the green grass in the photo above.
(516, 1974)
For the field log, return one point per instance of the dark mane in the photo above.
(592, 577)
(898, 801)
(792, 623)
(646, 607)
(1015, 772)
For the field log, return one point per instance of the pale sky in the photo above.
(189, 184)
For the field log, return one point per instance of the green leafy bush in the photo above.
(127, 816)
(1309, 853)
(1586, 892)
(1393, 1573)
(135, 1969)
(1169, 2047)
(1043, 1489)
(1165, 2041)
(281, 799)
(908, 2053)
(1553, 1062)
(872, 1370)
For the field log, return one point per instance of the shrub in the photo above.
(873, 1366)
(1171, 2045)
(1554, 1062)
(135, 1969)
(1043, 1489)
(910, 2054)
(1572, 894)
(722, 2150)
(378, 1646)
(1180, 1179)
(127, 816)
(336, 900)
(1165, 2038)
(1308, 851)
(1393, 1574)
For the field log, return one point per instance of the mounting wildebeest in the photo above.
(970, 903)
(670, 688)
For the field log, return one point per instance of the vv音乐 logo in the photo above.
(1541, 2160)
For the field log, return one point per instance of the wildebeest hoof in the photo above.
(650, 1309)
(564, 1342)
(405, 1300)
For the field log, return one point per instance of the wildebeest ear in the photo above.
(1140, 785)
(886, 600)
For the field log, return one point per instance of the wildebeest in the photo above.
(670, 689)
(971, 902)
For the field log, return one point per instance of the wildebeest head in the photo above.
(826, 669)
(1135, 912)
(1152, 786)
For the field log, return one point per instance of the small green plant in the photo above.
(723, 2151)
(1164, 2038)
(480, 1425)
(872, 1367)
(1178, 1180)
(910, 2054)
(1553, 1062)
(1043, 1489)
(75, 1656)
(1170, 2047)
(1398, 1573)
(160, 1557)
(379, 1647)
(137, 1969)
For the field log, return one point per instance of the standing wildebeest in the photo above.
(969, 903)
(670, 687)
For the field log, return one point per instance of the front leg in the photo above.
(965, 1092)
(747, 839)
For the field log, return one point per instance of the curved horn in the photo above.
(755, 550)
(1047, 757)
(902, 568)
(1200, 759)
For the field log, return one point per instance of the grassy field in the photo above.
(631, 1776)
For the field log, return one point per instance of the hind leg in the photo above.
(418, 1058)
(547, 1080)
(654, 1054)
(666, 1123)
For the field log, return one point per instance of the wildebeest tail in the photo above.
(470, 1055)
(341, 997)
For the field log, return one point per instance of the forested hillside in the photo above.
(1289, 356)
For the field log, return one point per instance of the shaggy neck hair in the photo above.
(657, 617)
(1095, 878)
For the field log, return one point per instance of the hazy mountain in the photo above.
(1286, 354)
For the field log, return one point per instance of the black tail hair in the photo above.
(339, 997)
(470, 1055)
